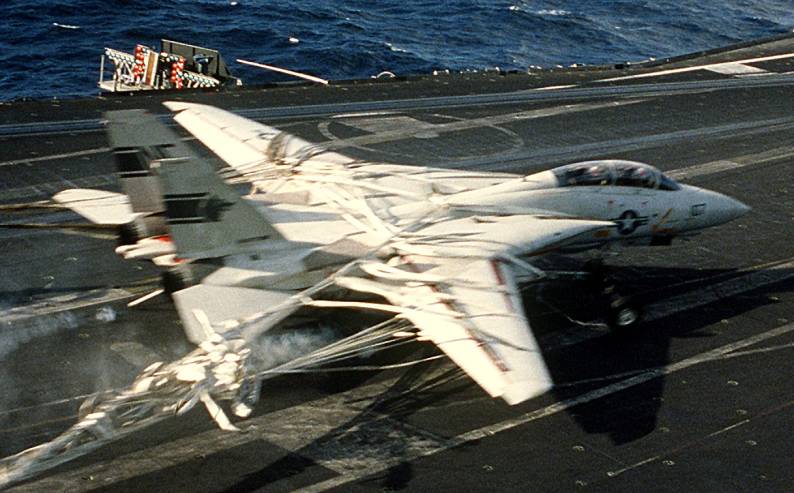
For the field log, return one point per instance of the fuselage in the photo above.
(646, 206)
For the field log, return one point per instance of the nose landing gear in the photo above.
(621, 312)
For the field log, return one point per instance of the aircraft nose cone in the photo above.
(726, 209)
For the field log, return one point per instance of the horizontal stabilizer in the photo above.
(209, 125)
(221, 304)
(97, 206)
(205, 216)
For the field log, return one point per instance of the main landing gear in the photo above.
(621, 312)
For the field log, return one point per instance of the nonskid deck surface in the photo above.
(699, 400)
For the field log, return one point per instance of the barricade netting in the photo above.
(228, 367)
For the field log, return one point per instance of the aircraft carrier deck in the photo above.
(701, 399)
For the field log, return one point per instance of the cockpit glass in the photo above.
(613, 172)
(634, 175)
(667, 183)
(585, 174)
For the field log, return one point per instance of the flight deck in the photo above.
(697, 399)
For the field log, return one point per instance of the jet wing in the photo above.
(244, 144)
(276, 160)
(457, 285)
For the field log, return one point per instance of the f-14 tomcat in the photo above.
(437, 247)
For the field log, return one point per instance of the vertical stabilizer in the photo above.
(206, 217)
(137, 139)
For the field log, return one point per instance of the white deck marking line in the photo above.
(52, 157)
(755, 278)
(493, 429)
(737, 162)
(58, 402)
(553, 88)
(688, 444)
(364, 114)
(758, 351)
(735, 68)
(51, 188)
(605, 378)
(641, 463)
(568, 153)
(698, 67)
(704, 169)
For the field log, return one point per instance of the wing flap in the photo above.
(488, 293)
(482, 328)
(463, 348)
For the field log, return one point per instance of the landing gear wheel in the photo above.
(623, 314)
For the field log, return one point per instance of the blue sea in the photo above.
(52, 48)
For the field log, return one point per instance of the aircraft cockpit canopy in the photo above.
(614, 172)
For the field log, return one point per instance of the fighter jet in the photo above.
(440, 248)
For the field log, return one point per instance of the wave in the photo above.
(53, 46)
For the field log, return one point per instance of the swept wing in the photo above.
(294, 170)
(456, 282)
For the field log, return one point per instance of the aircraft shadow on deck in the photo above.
(628, 415)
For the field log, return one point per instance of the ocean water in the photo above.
(53, 48)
